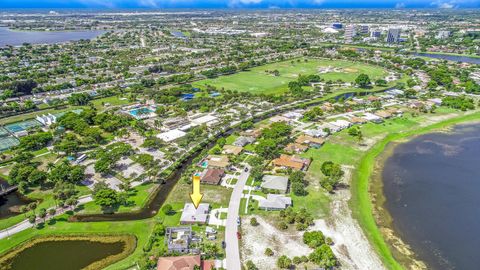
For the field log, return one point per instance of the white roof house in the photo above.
(171, 135)
(275, 202)
(190, 214)
(204, 120)
(333, 128)
(372, 117)
(316, 133)
(275, 182)
(343, 124)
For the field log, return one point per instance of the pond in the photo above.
(432, 190)
(16, 38)
(456, 58)
(10, 203)
(64, 255)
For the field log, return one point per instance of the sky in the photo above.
(447, 4)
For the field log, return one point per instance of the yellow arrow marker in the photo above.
(196, 196)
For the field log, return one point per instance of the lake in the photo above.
(65, 255)
(456, 58)
(16, 38)
(432, 190)
(10, 203)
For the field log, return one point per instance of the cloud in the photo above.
(98, 3)
(447, 4)
(243, 3)
(148, 3)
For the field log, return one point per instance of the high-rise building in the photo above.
(337, 25)
(364, 29)
(375, 33)
(349, 33)
(393, 35)
(443, 34)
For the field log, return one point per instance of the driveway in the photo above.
(232, 250)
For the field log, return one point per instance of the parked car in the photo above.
(224, 245)
(238, 221)
(239, 235)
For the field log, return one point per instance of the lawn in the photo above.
(258, 81)
(113, 101)
(217, 196)
(137, 199)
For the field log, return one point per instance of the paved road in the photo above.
(26, 224)
(232, 250)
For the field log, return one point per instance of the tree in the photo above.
(267, 148)
(167, 209)
(268, 252)
(381, 82)
(42, 213)
(253, 221)
(250, 265)
(79, 99)
(313, 239)
(299, 189)
(283, 262)
(323, 256)
(107, 198)
(32, 219)
(363, 80)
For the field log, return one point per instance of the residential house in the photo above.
(316, 133)
(178, 239)
(275, 202)
(372, 117)
(184, 263)
(358, 120)
(212, 176)
(254, 133)
(309, 140)
(232, 149)
(242, 141)
(275, 182)
(342, 124)
(192, 215)
(383, 114)
(293, 162)
(217, 161)
(295, 148)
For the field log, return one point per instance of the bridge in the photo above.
(5, 191)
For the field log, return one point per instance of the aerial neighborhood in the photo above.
(280, 115)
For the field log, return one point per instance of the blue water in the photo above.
(455, 58)
(432, 187)
(138, 111)
(16, 38)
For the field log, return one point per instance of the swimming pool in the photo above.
(140, 111)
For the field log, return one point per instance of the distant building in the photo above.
(375, 34)
(364, 29)
(47, 120)
(443, 34)
(393, 35)
(349, 33)
(337, 25)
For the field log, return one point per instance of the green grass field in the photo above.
(258, 81)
